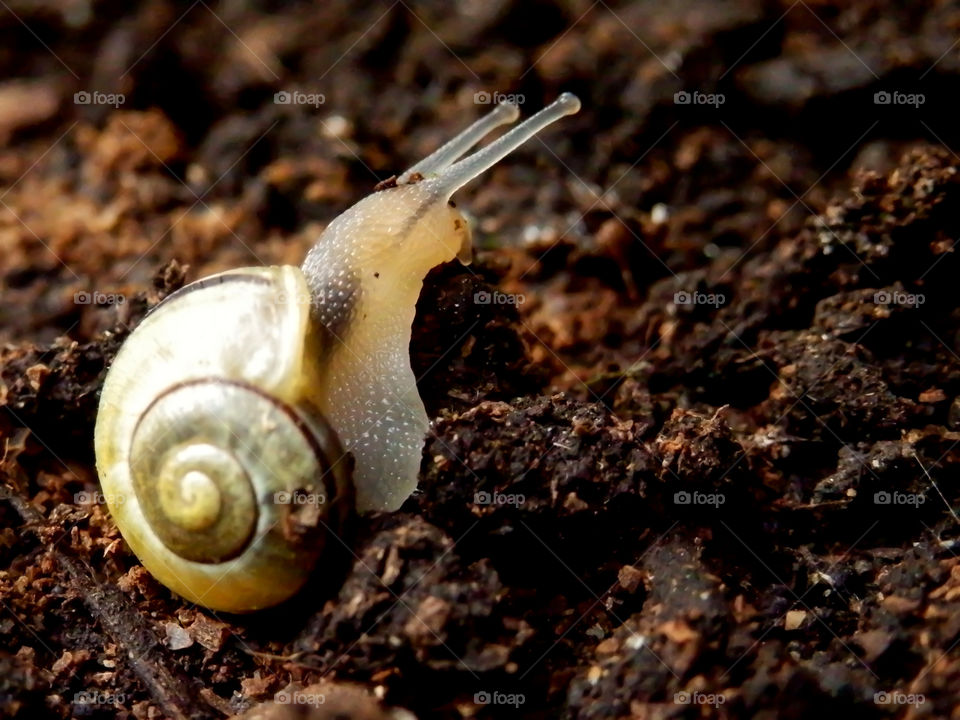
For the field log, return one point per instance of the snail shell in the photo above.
(206, 433)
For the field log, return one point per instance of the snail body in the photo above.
(247, 389)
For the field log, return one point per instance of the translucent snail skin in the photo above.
(248, 393)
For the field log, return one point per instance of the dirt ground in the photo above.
(704, 464)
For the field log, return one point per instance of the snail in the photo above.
(251, 410)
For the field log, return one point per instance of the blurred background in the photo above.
(134, 133)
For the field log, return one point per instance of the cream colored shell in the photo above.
(224, 366)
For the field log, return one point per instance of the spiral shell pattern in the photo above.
(221, 473)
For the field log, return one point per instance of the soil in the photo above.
(698, 459)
